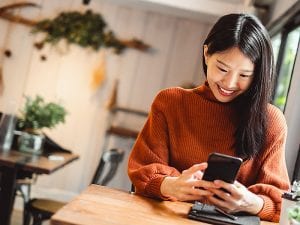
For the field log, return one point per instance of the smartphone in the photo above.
(222, 167)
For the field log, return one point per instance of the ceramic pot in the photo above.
(31, 143)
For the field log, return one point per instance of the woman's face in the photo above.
(229, 73)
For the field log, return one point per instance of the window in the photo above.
(285, 47)
(276, 41)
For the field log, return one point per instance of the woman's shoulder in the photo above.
(275, 113)
(276, 119)
(173, 93)
(171, 97)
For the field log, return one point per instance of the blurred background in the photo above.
(90, 84)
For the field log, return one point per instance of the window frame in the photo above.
(284, 25)
(292, 108)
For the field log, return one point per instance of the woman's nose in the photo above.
(231, 80)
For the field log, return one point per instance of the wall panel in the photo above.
(151, 67)
(186, 53)
(67, 72)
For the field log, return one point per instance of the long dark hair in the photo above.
(248, 34)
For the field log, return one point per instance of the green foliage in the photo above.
(38, 114)
(294, 213)
(87, 30)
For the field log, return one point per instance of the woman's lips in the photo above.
(225, 92)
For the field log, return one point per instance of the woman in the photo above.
(229, 114)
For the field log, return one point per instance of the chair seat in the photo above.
(46, 205)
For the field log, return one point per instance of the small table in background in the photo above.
(99, 205)
(12, 162)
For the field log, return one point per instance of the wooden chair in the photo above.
(23, 188)
(43, 209)
(26, 179)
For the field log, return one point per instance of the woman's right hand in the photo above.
(189, 186)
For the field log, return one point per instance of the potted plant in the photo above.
(293, 208)
(294, 215)
(36, 115)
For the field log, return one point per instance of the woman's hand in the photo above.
(235, 198)
(188, 186)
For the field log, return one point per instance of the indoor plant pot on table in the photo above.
(36, 115)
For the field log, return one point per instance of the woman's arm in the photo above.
(149, 158)
(148, 165)
(264, 196)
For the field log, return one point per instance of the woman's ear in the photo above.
(205, 54)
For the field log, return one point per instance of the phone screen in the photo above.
(222, 167)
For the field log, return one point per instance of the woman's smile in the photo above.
(225, 92)
(229, 73)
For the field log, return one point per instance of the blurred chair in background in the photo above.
(42, 209)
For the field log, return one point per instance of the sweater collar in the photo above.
(206, 92)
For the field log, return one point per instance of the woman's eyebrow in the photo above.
(224, 64)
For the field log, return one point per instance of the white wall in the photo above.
(280, 7)
(175, 58)
(192, 9)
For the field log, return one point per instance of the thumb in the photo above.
(238, 184)
(195, 168)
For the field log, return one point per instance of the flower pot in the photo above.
(31, 143)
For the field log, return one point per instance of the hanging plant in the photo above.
(87, 29)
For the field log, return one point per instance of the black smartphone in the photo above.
(222, 167)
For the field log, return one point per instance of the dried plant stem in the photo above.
(4, 14)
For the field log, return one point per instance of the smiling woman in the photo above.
(229, 114)
(229, 73)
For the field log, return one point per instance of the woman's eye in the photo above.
(244, 76)
(222, 70)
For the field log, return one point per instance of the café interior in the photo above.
(101, 93)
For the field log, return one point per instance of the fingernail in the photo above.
(217, 182)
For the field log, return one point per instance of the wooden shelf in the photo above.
(122, 132)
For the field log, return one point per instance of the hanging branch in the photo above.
(18, 5)
(85, 29)
(17, 19)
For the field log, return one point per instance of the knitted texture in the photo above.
(185, 125)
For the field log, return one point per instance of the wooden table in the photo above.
(11, 163)
(99, 205)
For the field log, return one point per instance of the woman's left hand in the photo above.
(235, 198)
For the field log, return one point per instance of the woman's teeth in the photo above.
(226, 91)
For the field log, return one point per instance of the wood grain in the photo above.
(99, 205)
(34, 163)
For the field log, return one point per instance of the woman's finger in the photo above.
(195, 168)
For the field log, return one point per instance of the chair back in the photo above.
(108, 166)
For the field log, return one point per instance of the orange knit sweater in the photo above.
(184, 126)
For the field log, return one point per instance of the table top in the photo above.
(99, 205)
(34, 163)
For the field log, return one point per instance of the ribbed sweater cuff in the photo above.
(153, 187)
(268, 211)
